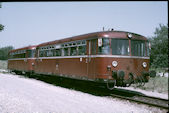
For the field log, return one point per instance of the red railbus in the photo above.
(116, 58)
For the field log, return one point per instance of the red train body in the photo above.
(112, 57)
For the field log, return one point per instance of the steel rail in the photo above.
(148, 100)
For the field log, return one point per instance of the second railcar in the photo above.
(22, 60)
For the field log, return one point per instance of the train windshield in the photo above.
(138, 48)
(31, 53)
(120, 46)
(148, 47)
(105, 47)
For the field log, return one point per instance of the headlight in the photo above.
(144, 64)
(129, 35)
(114, 63)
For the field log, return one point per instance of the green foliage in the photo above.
(158, 84)
(159, 47)
(1, 27)
(4, 52)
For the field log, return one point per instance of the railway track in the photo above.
(101, 91)
(143, 99)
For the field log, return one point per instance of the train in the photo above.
(113, 58)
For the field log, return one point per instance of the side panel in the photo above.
(96, 68)
(21, 64)
(75, 67)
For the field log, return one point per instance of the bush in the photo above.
(4, 52)
(158, 84)
(3, 64)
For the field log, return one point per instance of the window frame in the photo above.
(108, 45)
(128, 49)
(142, 53)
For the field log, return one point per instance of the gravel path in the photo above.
(23, 95)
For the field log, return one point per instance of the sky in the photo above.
(32, 23)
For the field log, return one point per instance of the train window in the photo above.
(17, 54)
(13, 55)
(105, 48)
(83, 42)
(73, 51)
(70, 44)
(40, 53)
(57, 46)
(78, 42)
(82, 50)
(147, 46)
(56, 52)
(44, 53)
(120, 46)
(49, 53)
(31, 53)
(74, 44)
(66, 52)
(138, 48)
(23, 55)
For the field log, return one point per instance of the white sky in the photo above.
(30, 23)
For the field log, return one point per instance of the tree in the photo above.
(4, 52)
(159, 47)
(1, 26)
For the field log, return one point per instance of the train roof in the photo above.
(24, 48)
(106, 34)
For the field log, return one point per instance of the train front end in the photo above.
(123, 59)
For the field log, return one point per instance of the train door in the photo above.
(91, 58)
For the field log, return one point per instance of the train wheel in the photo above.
(110, 86)
(131, 80)
(137, 81)
(141, 81)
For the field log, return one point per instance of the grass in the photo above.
(3, 64)
(157, 84)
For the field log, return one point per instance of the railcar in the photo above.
(22, 60)
(115, 58)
